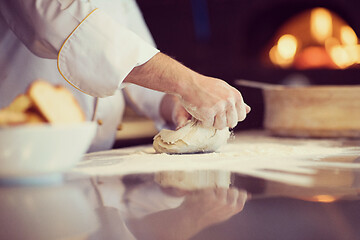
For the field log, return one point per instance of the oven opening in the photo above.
(315, 38)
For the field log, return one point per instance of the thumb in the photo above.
(181, 118)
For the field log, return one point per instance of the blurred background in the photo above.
(275, 41)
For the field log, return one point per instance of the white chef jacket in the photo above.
(92, 44)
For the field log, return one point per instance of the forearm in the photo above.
(164, 74)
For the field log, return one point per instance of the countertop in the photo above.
(256, 187)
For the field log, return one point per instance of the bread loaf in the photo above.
(56, 104)
(42, 103)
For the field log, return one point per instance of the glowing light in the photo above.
(274, 55)
(321, 24)
(284, 52)
(276, 58)
(287, 46)
(331, 42)
(348, 36)
(353, 53)
(340, 56)
(358, 53)
(324, 198)
(313, 57)
(346, 52)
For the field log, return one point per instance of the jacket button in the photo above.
(99, 122)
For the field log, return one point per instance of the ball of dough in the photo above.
(192, 138)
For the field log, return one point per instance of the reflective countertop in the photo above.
(258, 187)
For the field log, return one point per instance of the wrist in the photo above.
(186, 85)
(177, 78)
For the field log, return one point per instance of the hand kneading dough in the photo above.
(192, 138)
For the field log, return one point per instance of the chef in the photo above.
(103, 52)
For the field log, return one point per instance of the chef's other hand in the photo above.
(214, 102)
(173, 111)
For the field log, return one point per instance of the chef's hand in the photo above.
(214, 102)
(214, 205)
(173, 111)
(210, 100)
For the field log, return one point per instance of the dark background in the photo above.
(225, 38)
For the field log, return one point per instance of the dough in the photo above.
(192, 138)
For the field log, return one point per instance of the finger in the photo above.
(208, 193)
(220, 121)
(247, 108)
(208, 122)
(231, 116)
(181, 123)
(241, 112)
(242, 197)
(181, 118)
(232, 196)
(208, 118)
(221, 193)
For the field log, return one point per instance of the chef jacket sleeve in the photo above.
(94, 52)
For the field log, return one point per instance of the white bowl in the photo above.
(36, 150)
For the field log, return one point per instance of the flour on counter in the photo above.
(285, 160)
(265, 149)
